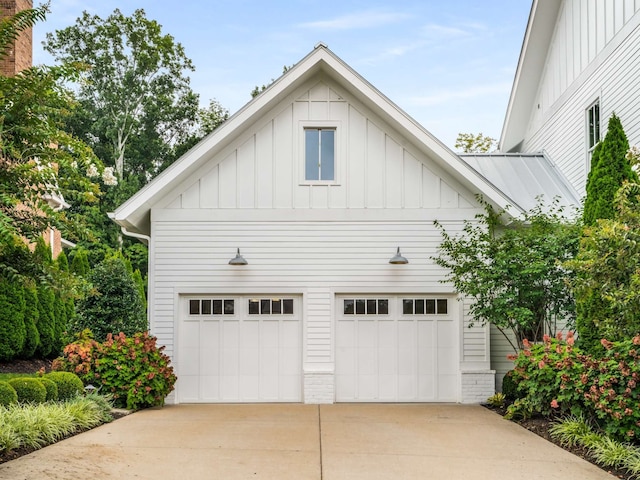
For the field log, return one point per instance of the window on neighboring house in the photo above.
(593, 120)
(319, 152)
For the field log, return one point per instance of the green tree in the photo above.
(609, 170)
(607, 284)
(135, 94)
(80, 262)
(39, 161)
(115, 305)
(470, 143)
(513, 273)
(12, 327)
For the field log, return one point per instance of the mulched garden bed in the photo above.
(33, 366)
(540, 426)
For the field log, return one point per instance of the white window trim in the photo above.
(338, 145)
(596, 99)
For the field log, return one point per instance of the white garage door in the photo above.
(396, 349)
(239, 349)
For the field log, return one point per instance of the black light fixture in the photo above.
(398, 259)
(238, 259)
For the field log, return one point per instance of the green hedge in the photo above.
(29, 389)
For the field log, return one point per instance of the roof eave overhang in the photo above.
(134, 214)
(533, 54)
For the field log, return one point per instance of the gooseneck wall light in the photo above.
(398, 259)
(238, 259)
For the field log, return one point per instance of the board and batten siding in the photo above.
(593, 55)
(375, 166)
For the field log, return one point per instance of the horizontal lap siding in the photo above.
(317, 258)
(594, 54)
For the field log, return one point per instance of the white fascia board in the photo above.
(533, 54)
(134, 213)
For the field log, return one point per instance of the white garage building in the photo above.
(319, 182)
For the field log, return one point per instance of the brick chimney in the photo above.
(20, 55)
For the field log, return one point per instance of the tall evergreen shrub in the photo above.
(31, 316)
(12, 328)
(46, 320)
(609, 169)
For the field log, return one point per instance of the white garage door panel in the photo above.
(395, 356)
(239, 357)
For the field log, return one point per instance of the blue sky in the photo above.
(448, 63)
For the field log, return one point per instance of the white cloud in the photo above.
(462, 93)
(357, 20)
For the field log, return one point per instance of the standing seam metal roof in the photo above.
(525, 177)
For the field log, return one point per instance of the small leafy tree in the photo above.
(470, 143)
(115, 304)
(609, 170)
(513, 273)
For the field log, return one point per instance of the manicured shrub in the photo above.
(131, 369)
(69, 384)
(51, 387)
(510, 387)
(29, 389)
(60, 324)
(8, 394)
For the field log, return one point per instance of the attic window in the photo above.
(319, 154)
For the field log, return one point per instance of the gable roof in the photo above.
(523, 177)
(535, 46)
(133, 215)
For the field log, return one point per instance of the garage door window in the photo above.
(366, 306)
(271, 306)
(424, 306)
(207, 306)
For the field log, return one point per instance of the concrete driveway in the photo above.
(298, 442)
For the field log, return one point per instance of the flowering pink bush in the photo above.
(556, 377)
(131, 369)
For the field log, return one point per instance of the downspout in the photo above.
(146, 239)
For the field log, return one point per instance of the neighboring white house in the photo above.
(317, 183)
(580, 62)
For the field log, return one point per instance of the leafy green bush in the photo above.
(510, 387)
(610, 388)
(8, 394)
(546, 374)
(69, 384)
(115, 305)
(51, 387)
(556, 377)
(131, 369)
(29, 389)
